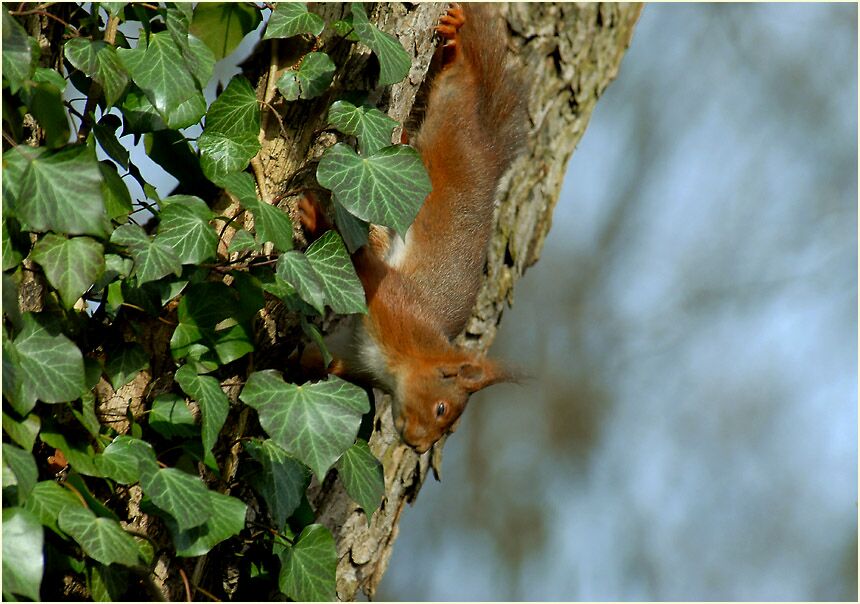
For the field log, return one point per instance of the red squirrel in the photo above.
(421, 291)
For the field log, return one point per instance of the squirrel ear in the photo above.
(479, 373)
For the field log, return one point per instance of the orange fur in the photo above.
(421, 291)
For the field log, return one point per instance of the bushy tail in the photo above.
(483, 40)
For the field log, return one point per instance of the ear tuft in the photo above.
(481, 372)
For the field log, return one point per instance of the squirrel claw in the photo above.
(451, 22)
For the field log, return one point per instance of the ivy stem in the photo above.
(43, 13)
(185, 582)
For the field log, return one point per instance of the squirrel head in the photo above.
(430, 397)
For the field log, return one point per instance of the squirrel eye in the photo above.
(440, 409)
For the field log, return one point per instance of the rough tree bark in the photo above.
(571, 53)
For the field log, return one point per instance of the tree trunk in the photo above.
(571, 53)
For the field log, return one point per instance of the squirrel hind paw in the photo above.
(451, 22)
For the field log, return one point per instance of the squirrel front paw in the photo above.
(448, 28)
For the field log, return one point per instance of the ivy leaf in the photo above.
(22, 432)
(222, 25)
(242, 241)
(102, 539)
(231, 136)
(181, 495)
(214, 405)
(140, 114)
(227, 519)
(60, 190)
(23, 467)
(124, 364)
(126, 458)
(47, 499)
(311, 79)
(185, 227)
(71, 265)
(51, 366)
(271, 223)
(295, 268)
(385, 188)
(106, 583)
(105, 133)
(330, 260)
(15, 387)
(98, 60)
(372, 127)
(198, 57)
(158, 68)
(308, 568)
(281, 483)
(44, 99)
(355, 231)
(79, 452)
(23, 539)
(291, 19)
(116, 196)
(11, 256)
(315, 423)
(394, 62)
(153, 258)
(362, 476)
(170, 416)
(20, 54)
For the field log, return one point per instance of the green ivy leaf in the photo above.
(140, 114)
(71, 265)
(385, 188)
(281, 483)
(295, 268)
(181, 495)
(208, 315)
(20, 54)
(23, 467)
(105, 133)
(79, 452)
(115, 193)
(311, 79)
(222, 25)
(102, 539)
(271, 223)
(308, 568)
(11, 256)
(242, 241)
(291, 19)
(106, 583)
(98, 60)
(231, 136)
(394, 62)
(159, 69)
(15, 387)
(153, 258)
(185, 227)
(126, 458)
(45, 102)
(52, 367)
(355, 231)
(330, 260)
(23, 538)
(315, 423)
(372, 127)
(170, 416)
(198, 57)
(124, 364)
(362, 476)
(227, 519)
(214, 404)
(22, 432)
(47, 500)
(60, 190)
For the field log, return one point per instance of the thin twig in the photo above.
(185, 582)
(206, 593)
(277, 115)
(44, 14)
